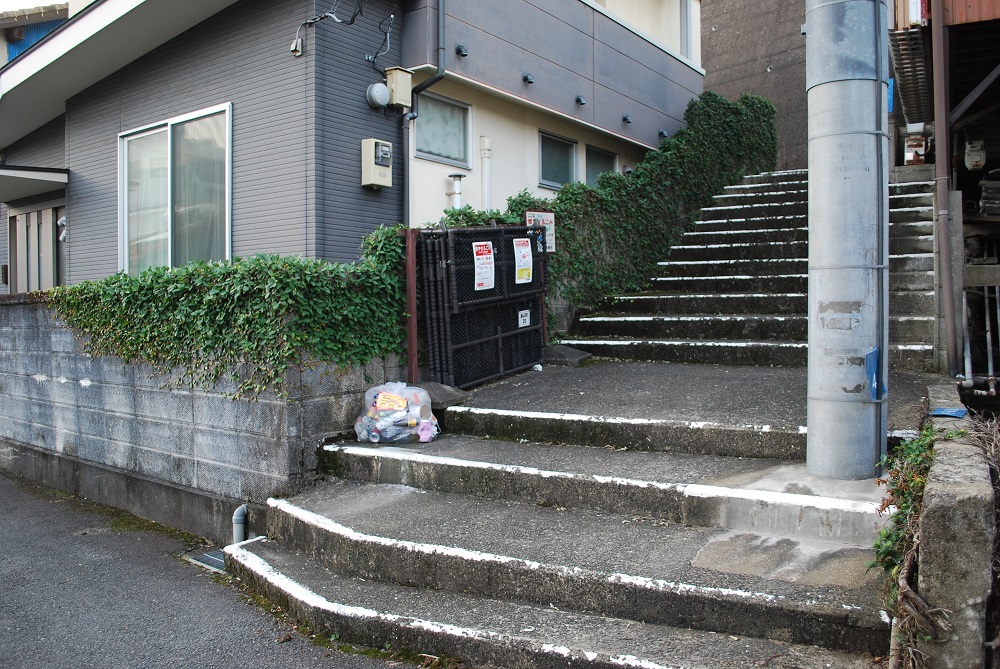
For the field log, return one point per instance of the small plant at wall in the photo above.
(898, 542)
(247, 320)
(610, 237)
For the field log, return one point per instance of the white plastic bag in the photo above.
(396, 412)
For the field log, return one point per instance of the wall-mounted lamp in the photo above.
(527, 78)
(461, 51)
(580, 100)
(662, 133)
(626, 119)
(61, 224)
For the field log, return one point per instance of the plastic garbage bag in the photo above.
(396, 412)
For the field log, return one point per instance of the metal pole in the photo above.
(847, 84)
(942, 164)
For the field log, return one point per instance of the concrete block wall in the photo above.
(56, 399)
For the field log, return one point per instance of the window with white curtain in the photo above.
(174, 190)
(442, 130)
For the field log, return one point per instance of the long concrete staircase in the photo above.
(734, 288)
(623, 513)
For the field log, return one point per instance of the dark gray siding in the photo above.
(346, 212)
(757, 47)
(240, 56)
(4, 287)
(45, 147)
(571, 49)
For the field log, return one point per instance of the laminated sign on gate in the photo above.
(522, 260)
(482, 253)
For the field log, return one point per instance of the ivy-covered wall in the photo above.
(610, 237)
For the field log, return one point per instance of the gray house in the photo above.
(154, 132)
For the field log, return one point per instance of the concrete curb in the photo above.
(957, 534)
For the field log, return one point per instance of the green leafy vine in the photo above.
(246, 320)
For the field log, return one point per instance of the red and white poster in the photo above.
(482, 253)
(522, 260)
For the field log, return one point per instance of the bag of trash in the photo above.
(396, 412)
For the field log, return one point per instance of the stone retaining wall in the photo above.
(60, 405)
(956, 541)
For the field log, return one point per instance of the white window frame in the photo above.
(467, 164)
(168, 125)
(573, 144)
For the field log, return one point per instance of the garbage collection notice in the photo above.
(522, 260)
(482, 253)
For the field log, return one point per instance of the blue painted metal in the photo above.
(32, 33)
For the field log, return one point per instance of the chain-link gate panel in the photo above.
(484, 302)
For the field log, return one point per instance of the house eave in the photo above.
(95, 43)
(17, 183)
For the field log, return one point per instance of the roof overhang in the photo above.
(95, 43)
(20, 182)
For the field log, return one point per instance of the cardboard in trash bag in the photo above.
(396, 412)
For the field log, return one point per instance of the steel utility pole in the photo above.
(847, 85)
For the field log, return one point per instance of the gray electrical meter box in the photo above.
(376, 163)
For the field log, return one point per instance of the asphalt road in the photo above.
(75, 593)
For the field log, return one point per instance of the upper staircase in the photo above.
(733, 290)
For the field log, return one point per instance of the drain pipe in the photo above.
(412, 370)
(847, 85)
(942, 162)
(240, 524)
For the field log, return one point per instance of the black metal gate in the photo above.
(484, 302)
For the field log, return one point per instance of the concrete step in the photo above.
(755, 197)
(695, 326)
(911, 215)
(496, 633)
(917, 356)
(746, 495)
(745, 283)
(773, 244)
(751, 222)
(707, 303)
(910, 198)
(661, 434)
(743, 246)
(911, 229)
(778, 177)
(609, 564)
(901, 303)
(704, 351)
(731, 326)
(741, 211)
(914, 262)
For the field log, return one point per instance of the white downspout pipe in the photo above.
(485, 155)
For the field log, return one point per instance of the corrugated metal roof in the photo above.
(20, 17)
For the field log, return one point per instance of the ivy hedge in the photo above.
(610, 237)
(248, 319)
